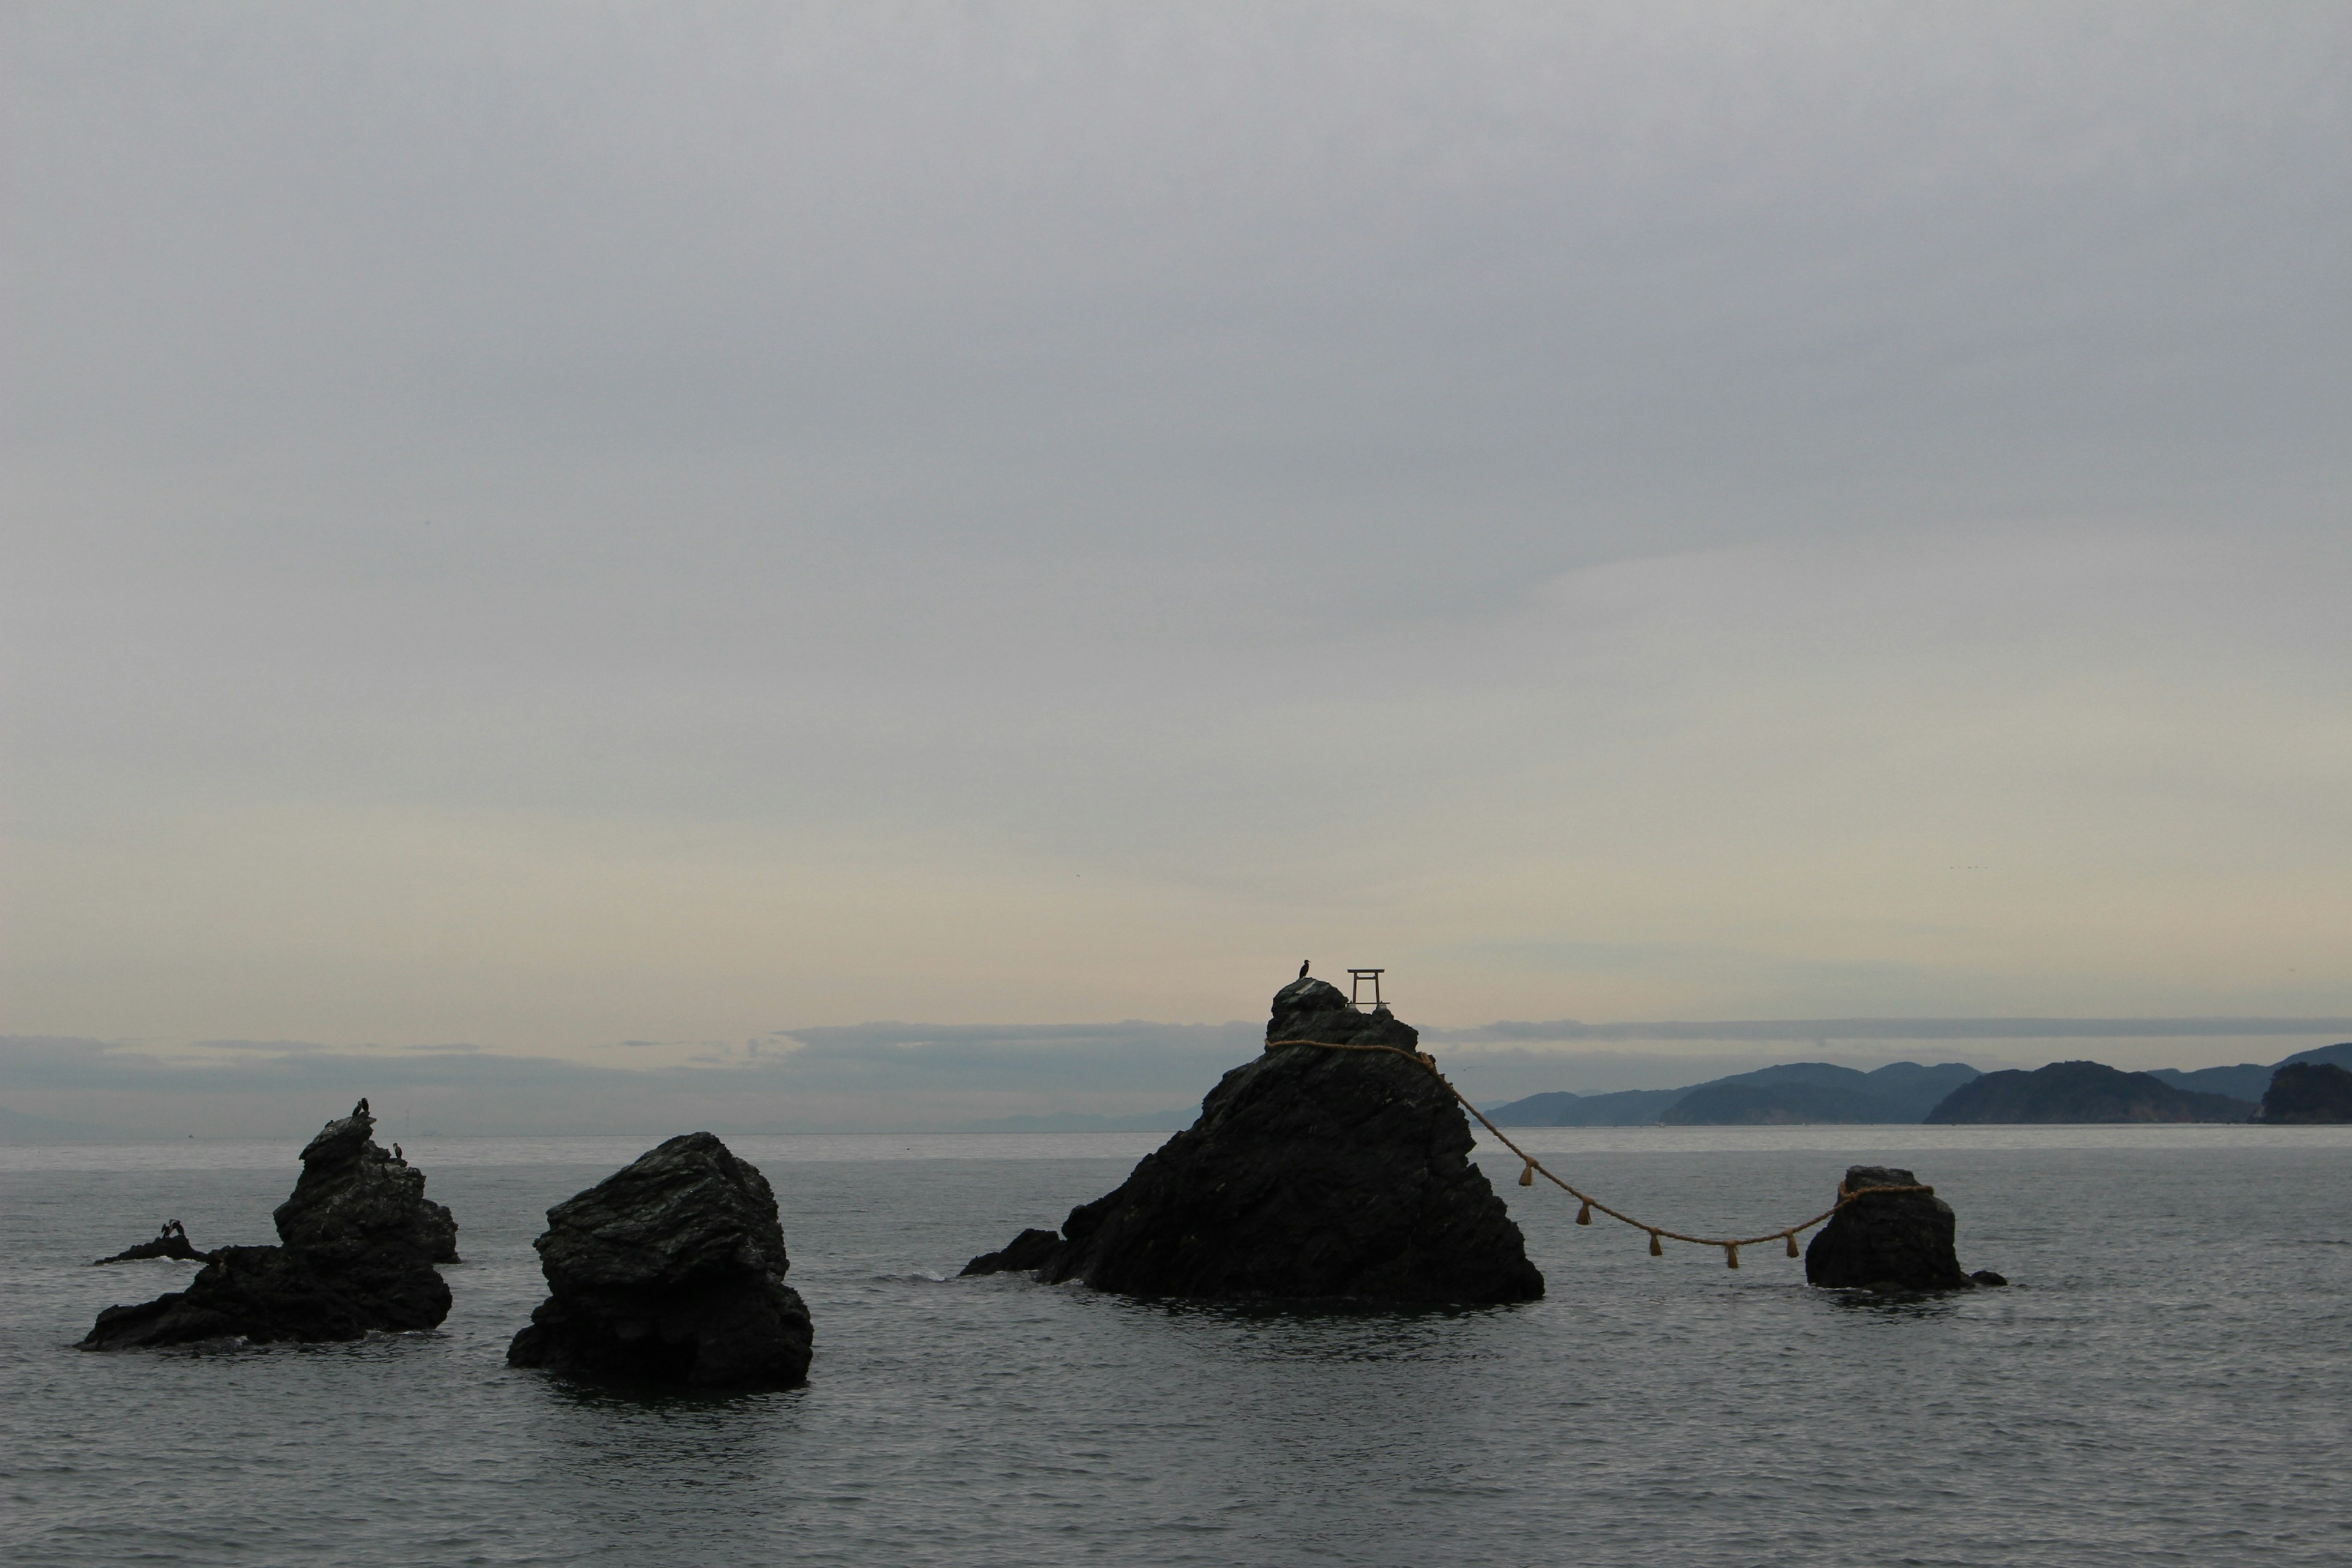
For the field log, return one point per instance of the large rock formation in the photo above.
(360, 1243)
(2082, 1091)
(670, 1271)
(2307, 1092)
(1888, 1240)
(1312, 1174)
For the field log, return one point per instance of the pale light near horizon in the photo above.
(550, 526)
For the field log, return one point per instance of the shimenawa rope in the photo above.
(1534, 1167)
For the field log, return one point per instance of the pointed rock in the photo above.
(360, 1243)
(355, 1199)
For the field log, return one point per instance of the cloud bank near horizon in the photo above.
(895, 1077)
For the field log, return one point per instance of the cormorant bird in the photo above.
(361, 1109)
(1302, 969)
(398, 1155)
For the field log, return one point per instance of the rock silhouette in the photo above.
(170, 1243)
(360, 1240)
(670, 1271)
(1311, 1175)
(2308, 1093)
(354, 1199)
(1889, 1241)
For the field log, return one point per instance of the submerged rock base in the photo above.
(1893, 1240)
(172, 1244)
(360, 1243)
(1311, 1175)
(670, 1271)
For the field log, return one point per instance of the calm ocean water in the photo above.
(2170, 1381)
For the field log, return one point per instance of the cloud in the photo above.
(903, 1076)
(1132, 1054)
(535, 525)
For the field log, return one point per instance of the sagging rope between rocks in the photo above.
(1534, 1167)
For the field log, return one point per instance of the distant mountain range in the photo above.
(1792, 1092)
(2248, 1080)
(2084, 1092)
(1801, 1092)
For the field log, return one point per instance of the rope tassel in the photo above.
(1792, 1244)
(1655, 1250)
(1528, 1175)
(1584, 1215)
(1731, 1255)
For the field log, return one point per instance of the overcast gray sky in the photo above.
(539, 526)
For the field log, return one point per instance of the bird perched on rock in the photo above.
(361, 1109)
(398, 1155)
(1302, 969)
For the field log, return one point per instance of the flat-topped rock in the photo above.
(1310, 1009)
(1312, 1174)
(1888, 1240)
(671, 1270)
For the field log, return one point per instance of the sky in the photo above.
(651, 539)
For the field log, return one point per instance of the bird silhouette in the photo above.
(398, 1155)
(1302, 969)
(361, 1109)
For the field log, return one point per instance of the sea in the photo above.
(2166, 1380)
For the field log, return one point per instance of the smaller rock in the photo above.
(171, 1243)
(670, 1271)
(1986, 1277)
(1030, 1249)
(1891, 1240)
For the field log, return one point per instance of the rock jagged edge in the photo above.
(358, 1242)
(671, 1270)
(1311, 1175)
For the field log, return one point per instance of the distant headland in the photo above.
(1803, 1093)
